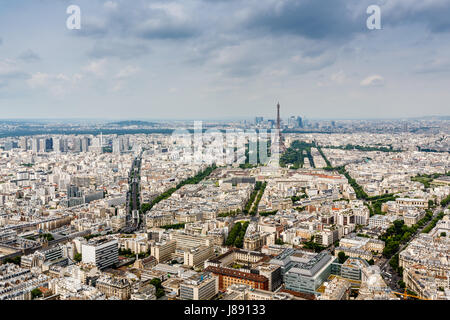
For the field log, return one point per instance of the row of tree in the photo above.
(295, 154)
(258, 199)
(394, 263)
(400, 233)
(359, 191)
(174, 226)
(251, 199)
(236, 235)
(363, 148)
(166, 194)
(95, 235)
(231, 213)
(445, 201)
(268, 213)
(433, 223)
(329, 167)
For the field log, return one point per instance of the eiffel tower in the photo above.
(280, 140)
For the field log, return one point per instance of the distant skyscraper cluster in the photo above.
(293, 122)
(39, 144)
(120, 144)
(42, 144)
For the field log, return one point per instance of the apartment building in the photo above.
(103, 252)
(228, 276)
(431, 253)
(163, 251)
(114, 287)
(408, 202)
(336, 289)
(196, 257)
(304, 271)
(186, 241)
(199, 287)
(246, 292)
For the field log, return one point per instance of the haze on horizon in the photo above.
(215, 59)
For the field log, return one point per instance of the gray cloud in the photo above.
(9, 72)
(224, 35)
(312, 19)
(436, 65)
(142, 19)
(434, 15)
(92, 27)
(164, 31)
(119, 49)
(29, 56)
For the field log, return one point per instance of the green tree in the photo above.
(46, 236)
(445, 201)
(234, 232)
(174, 226)
(342, 257)
(36, 293)
(77, 257)
(159, 293)
(145, 207)
(156, 282)
(15, 260)
(239, 242)
(126, 253)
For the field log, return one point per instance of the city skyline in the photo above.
(171, 60)
(225, 119)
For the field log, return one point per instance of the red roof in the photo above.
(236, 274)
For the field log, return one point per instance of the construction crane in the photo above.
(405, 295)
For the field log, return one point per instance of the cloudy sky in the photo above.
(211, 59)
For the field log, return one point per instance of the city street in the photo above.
(391, 277)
